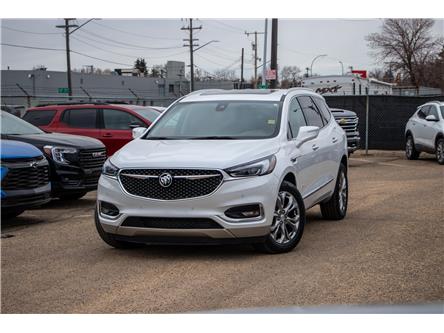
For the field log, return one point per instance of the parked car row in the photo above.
(51, 162)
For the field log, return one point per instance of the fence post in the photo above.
(367, 106)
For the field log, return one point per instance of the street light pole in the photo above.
(342, 67)
(264, 62)
(314, 59)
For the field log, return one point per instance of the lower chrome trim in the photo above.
(317, 189)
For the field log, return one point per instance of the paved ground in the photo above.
(389, 250)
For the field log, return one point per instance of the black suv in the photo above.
(75, 161)
(349, 121)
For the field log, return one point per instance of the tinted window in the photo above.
(433, 112)
(424, 112)
(296, 118)
(322, 106)
(39, 118)
(312, 114)
(147, 113)
(119, 120)
(80, 118)
(219, 119)
(442, 112)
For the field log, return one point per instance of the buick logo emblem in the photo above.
(165, 179)
(33, 165)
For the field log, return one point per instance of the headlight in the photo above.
(109, 169)
(59, 154)
(260, 167)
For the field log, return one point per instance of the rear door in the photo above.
(431, 128)
(81, 121)
(116, 128)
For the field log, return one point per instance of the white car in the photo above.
(226, 167)
(424, 132)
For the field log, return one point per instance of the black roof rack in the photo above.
(71, 103)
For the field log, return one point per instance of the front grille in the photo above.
(26, 178)
(88, 158)
(349, 124)
(22, 159)
(170, 223)
(204, 182)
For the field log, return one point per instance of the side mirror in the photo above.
(135, 125)
(306, 133)
(431, 117)
(138, 131)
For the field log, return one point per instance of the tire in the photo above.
(336, 207)
(439, 151)
(10, 214)
(71, 196)
(288, 227)
(109, 239)
(410, 151)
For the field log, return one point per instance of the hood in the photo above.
(68, 140)
(338, 113)
(15, 149)
(219, 154)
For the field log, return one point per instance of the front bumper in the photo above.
(67, 178)
(23, 199)
(255, 190)
(353, 142)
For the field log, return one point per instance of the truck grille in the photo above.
(25, 178)
(185, 183)
(348, 123)
(92, 158)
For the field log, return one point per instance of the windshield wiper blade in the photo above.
(214, 137)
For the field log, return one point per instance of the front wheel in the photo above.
(288, 221)
(336, 207)
(440, 150)
(410, 151)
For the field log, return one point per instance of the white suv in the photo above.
(424, 132)
(226, 167)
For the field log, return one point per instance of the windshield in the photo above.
(147, 113)
(218, 120)
(13, 125)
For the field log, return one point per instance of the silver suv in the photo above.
(424, 132)
(226, 167)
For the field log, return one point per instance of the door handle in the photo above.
(315, 147)
(293, 159)
(334, 140)
(107, 135)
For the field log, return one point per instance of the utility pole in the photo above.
(274, 44)
(191, 45)
(264, 60)
(66, 26)
(242, 69)
(254, 46)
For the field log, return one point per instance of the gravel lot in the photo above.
(389, 250)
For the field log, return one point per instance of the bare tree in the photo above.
(406, 45)
(290, 73)
(225, 74)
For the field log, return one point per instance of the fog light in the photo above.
(108, 209)
(244, 212)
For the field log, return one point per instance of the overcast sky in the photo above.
(122, 41)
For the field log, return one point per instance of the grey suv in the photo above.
(424, 131)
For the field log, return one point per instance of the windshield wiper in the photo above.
(214, 137)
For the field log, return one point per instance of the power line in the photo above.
(31, 32)
(52, 49)
(133, 33)
(132, 45)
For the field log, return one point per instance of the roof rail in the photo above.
(299, 88)
(195, 92)
(73, 103)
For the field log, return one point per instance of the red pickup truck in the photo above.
(110, 123)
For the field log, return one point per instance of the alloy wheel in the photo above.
(440, 151)
(286, 218)
(409, 146)
(343, 192)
